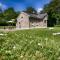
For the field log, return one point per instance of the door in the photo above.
(19, 25)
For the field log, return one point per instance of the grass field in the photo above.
(7, 27)
(34, 44)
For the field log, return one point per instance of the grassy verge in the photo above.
(34, 44)
(7, 27)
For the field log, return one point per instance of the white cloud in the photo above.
(39, 9)
(3, 6)
(0, 4)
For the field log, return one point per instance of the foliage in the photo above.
(3, 23)
(7, 27)
(57, 25)
(8, 15)
(31, 10)
(53, 10)
(35, 44)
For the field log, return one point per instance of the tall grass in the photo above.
(34, 44)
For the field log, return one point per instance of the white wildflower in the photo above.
(59, 58)
(26, 40)
(10, 21)
(8, 51)
(46, 38)
(59, 49)
(14, 47)
(56, 33)
(30, 36)
(1, 34)
(39, 44)
(51, 28)
(37, 52)
(21, 56)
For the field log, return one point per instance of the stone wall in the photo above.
(36, 22)
(23, 21)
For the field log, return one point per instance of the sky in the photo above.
(20, 5)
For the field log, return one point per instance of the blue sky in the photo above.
(20, 5)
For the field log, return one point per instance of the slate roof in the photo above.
(40, 16)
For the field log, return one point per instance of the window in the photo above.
(21, 17)
(19, 22)
(44, 21)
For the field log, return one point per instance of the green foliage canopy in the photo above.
(7, 15)
(53, 10)
(31, 10)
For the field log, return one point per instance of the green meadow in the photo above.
(32, 44)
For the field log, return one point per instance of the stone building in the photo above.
(25, 20)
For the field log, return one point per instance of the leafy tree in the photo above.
(10, 14)
(31, 10)
(53, 10)
(7, 15)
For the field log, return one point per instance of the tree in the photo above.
(10, 14)
(31, 10)
(53, 10)
(7, 15)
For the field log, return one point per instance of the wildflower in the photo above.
(59, 58)
(59, 49)
(30, 36)
(26, 40)
(51, 28)
(2, 34)
(56, 33)
(21, 56)
(37, 51)
(46, 38)
(10, 21)
(39, 44)
(14, 47)
(8, 51)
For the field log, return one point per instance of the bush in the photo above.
(57, 25)
(4, 23)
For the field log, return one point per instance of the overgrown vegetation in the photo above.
(8, 15)
(53, 10)
(35, 44)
